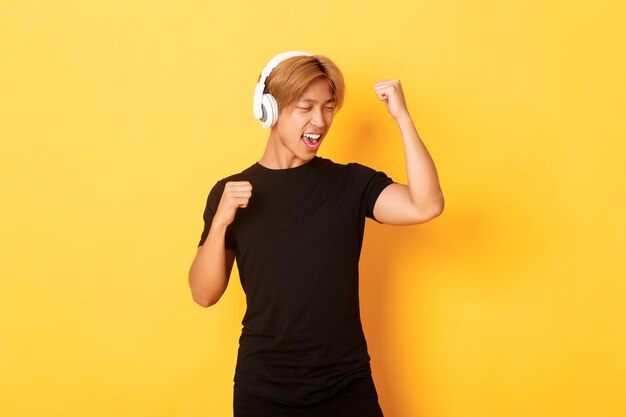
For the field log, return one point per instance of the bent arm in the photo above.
(210, 270)
(422, 199)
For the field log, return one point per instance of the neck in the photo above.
(278, 156)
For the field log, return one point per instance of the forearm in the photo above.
(421, 173)
(209, 273)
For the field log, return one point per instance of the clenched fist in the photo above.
(236, 195)
(390, 91)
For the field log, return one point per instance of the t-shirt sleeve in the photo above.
(212, 202)
(370, 183)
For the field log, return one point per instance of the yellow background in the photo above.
(116, 118)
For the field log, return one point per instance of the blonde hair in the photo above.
(291, 77)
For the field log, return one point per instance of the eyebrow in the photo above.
(310, 100)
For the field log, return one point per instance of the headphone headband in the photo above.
(259, 111)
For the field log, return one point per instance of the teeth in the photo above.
(311, 136)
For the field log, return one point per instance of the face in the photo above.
(301, 127)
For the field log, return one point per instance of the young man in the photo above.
(294, 222)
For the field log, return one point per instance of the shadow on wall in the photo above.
(381, 247)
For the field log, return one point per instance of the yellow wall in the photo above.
(116, 118)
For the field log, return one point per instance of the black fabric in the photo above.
(297, 250)
(358, 399)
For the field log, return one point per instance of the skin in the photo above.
(398, 204)
(313, 112)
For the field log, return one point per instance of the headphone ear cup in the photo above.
(270, 110)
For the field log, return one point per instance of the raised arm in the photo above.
(422, 199)
(210, 271)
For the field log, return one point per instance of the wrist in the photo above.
(404, 120)
(404, 117)
(219, 224)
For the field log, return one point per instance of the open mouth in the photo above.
(311, 140)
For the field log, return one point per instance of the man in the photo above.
(294, 222)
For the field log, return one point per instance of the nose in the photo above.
(317, 118)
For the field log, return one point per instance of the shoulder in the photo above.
(239, 176)
(368, 179)
(363, 173)
(332, 169)
(217, 188)
(339, 166)
(348, 166)
(358, 171)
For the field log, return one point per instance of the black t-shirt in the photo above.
(297, 247)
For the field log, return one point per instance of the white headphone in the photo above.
(265, 105)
